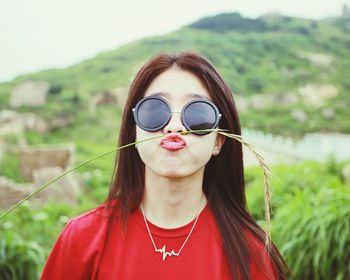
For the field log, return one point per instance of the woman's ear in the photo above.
(220, 141)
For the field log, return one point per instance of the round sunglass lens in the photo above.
(152, 114)
(200, 115)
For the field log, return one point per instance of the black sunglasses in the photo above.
(152, 113)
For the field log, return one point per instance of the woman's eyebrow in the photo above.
(189, 95)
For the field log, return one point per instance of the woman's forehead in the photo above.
(175, 84)
(184, 97)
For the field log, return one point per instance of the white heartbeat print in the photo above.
(165, 253)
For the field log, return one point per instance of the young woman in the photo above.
(176, 207)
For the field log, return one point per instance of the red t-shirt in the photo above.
(82, 252)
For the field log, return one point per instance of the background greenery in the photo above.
(311, 212)
(255, 57)
(310, 217)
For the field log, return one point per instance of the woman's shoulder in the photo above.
(76, 251)
(94, 219)
(90, 218)
(90, 224)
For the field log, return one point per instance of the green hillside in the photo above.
(255, 56)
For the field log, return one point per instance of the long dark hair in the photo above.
(223, 182)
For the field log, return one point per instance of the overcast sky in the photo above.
(40, 34)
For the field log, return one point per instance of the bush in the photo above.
(55, 89)
(19, 259)
(313, 232)
(10, 168)
(310, 217)
(28, 234)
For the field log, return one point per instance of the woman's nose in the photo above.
(175, 124)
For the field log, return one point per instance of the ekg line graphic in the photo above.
(165, 253)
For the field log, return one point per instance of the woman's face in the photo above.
(176, 85)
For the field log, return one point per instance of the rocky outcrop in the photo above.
(33, 158)
(316, 94)
(11, 192)
(319, 59)
(39, 165)
(29, 93)
(299, 115)
(112, 97)
(65, 190)
(12, 122)
(61, 121)
(264, 100)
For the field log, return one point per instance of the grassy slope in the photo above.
(251, 62)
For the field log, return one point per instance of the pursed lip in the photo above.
(173, 142)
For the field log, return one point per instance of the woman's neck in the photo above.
(172, 202)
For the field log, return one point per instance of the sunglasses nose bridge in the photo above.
(174, 125)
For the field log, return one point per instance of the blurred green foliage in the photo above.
(19, 259)
(310, 217)
(10, 168)
(28, 234)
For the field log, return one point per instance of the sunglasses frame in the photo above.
(202, 100)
